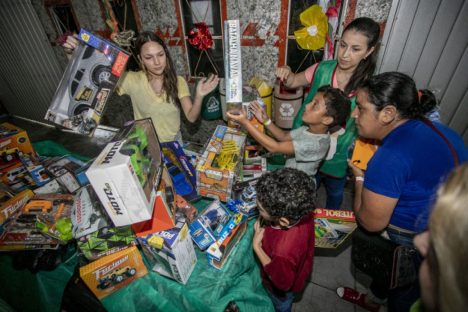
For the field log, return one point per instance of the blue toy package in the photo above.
(206, 228)
(181, 170)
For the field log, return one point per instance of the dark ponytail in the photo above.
(399, 90)
(369, 28)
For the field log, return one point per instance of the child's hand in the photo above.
(258, 234)
(283, 73)
(258, 111)
(206, 85)
(70, 44)
(238, 116)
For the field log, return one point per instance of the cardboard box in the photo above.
(333, 228)
(171, 252)
(219, 165)
(69, 171)
(113, 272)
(181, 170)
(12, 137)
(205, 229)
(13, 206)
(88, 82)
(233, 64)
(228, 245)
(244, 198)
(127, 173)
(363, 151)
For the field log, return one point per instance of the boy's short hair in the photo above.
(337, 103)
(286, 192)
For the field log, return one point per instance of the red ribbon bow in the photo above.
(200, 37)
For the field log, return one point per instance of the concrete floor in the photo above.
(329, 272)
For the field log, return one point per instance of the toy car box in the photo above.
(12, 137)
(181, 170)
(244, 198)
(171, 252)
(219, 165)
(88, 82)
(225, 248)
(12, 206)
(69, 171)
(16, 177)
(126, 174)
(332, 230)
(206, 228)
(113, 272)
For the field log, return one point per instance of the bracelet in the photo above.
(359, 179)
(267, 122)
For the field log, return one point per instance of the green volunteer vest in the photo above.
(338, 165)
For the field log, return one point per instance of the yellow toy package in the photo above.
(111, 273)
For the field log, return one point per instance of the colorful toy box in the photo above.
(171, 252)
(88, 82)
(181, 170)
(12, 137)
(12, 206)
(113, 272)
(69, 172)
(126, 174)
(219, 166)
(205, 229)
(227, 246)
(332, 229)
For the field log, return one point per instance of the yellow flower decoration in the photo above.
(312, 36)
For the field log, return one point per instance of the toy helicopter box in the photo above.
(219, 165)
(171, 252)
(113, 272)
(126, 174)
(181, 170)
(205, 229)
(12, 137)
(88, 82)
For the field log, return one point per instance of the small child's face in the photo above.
(315, 110)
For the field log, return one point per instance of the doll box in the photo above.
(127, 173)
(88, 82)
(219, 166)
(113, 272)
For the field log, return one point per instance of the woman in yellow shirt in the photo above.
(156, 91)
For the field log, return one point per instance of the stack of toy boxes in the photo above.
(167, 245)
(219, 165)
(127, 172)
(14, 142)
(181, 170)
(113, 272)
(217, 231)
(88, 82)
(95, 235)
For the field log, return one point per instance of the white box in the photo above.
(233, 62)
(126, 174)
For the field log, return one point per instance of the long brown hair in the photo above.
(170, 75)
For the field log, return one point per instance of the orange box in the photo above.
(111, 273)
(363, 152)
(12, 136)
(14, 204)
(217, 169)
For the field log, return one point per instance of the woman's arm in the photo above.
(373, 211)
(290, 79)
(204, 86)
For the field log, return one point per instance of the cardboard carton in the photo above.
(219, 165)
(14, 205)
(113, 272)
(12, 137)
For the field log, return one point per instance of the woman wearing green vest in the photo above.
(355, 62)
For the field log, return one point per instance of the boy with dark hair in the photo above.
(309, 144)
(285, 245)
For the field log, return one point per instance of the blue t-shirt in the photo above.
(412, 161)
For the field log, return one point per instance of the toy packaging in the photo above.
(219, 166)
(181, 170)
(69, 172)
(187, 209)
(127, 173)
(244, 198)
(12, 137)
(35, 169)
(171, 252)
(333, 227)
(16, 177)
(113, 272)
(218, 250)
(88, 82)
(50, 187)
(233, 65)
(363, 152)
(205, 229)
(13, 205)
(227, 246)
